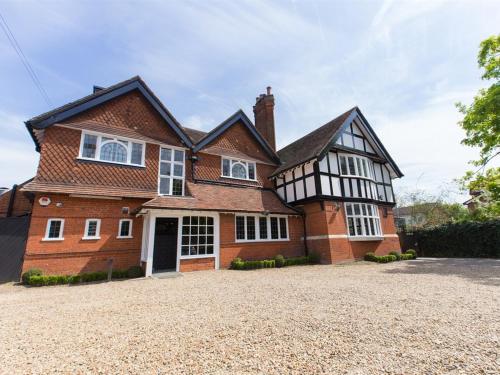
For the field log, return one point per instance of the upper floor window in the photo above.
(243, 170)
(111, 149)
(351, 165)
(171, 175)
(363, 220)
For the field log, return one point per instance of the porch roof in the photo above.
(212, 197)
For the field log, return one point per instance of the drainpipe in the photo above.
(12, 198)
(306, 249)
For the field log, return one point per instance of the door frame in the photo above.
(148, 235)
(176, 244)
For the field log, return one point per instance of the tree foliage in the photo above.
(481, 120)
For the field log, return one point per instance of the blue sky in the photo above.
(404, 63)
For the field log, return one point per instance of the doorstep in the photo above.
(166, 275)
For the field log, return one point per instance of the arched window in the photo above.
(114, 151)
(239, 171)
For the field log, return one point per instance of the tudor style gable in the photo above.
(345, 161)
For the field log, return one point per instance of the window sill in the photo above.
(111, 162)
(367, 238)
(123, 237)
(187, 257)
(53, 239)
(240, 179)
(90, 238)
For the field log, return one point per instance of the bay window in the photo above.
(171, 174)
(261, 228)
(363, 220)
(240, 169)
(111, 149)
(353, 165)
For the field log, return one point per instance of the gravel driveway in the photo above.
(427, 316)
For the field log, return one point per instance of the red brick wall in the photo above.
(209, 168)
(22, 203)
(330, 221)
(74, 255)
(199, 264)
(229, 249)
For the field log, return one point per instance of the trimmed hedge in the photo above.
(34, 277)
(461, 240)
(392, 257)
(278, 261)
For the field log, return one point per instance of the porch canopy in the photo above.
(213, 197)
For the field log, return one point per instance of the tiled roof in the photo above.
(194, 134)
(109, 191)
(310, 145)
(212, 197)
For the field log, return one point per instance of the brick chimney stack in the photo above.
(263, 111)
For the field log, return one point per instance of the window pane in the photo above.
(365, 169)
(177, 187)
(274, 228)
(343, 165)
(250, 228)
(178, 155)
(164, 185)
(359, 230)
(358, 164)
(350, 161)
(263, 228)
(185, 220)
(178, 170)
(136, 157)
(210, 249)
(210, 240)
(350, 222)
(238, 171)
(185, 250)
(356, 209)
(114, 151)
(89, 146)
(165, 169)
(185, 240)
(367, 227)
(283, 229)
(372, 227)
(240, 227)
(55, 229)
(92, 228)
(225, 167)
(251, 171)
(348, 209)
(125, 229)
(166, 154)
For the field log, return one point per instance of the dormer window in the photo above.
(239, 169)
(111, 149)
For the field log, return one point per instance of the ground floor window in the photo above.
(261, 228)
(197, 236)
(125, 228)
(54, 230)
(363, 220)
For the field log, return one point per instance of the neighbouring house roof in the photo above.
(238, 117)
(214, 197)
(81, 189)
(101, 96)
(318, 142)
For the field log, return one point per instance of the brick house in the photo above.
(120, 179)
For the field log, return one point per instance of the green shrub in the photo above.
(35, 280)
(93, 276)
(236, 263)
(370, 257)
(406, 256)
(280, 261)
(135, 271)
(396, 254)
(119, 274)
(296, 261)
(412, 252)
(31, 272)
(74, 279)
(314, 258)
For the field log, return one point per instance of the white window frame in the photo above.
(97, 232)
(376, 219)
(61, 231)
(114, 139)
(257, 228)
(369, 166)
(120, 228)
(244, 163)
(172, 163)
(189, 256)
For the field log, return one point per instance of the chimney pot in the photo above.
(268, 90)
